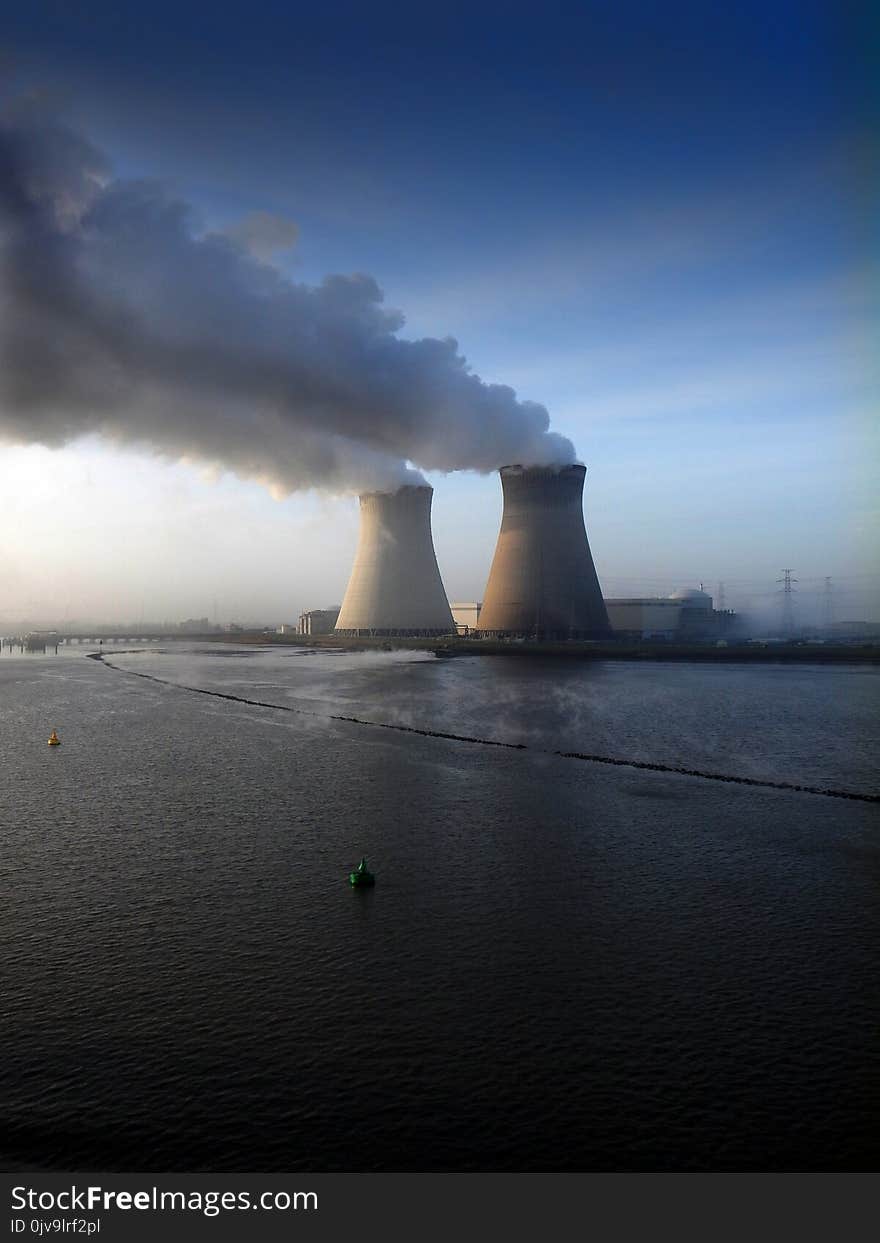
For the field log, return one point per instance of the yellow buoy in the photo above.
(54, 740)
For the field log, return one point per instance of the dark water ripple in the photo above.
(562, 966)
(618, 761)
(817, 725)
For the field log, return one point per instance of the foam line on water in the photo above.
(616, 761)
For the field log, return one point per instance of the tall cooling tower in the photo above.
(395, 586)
(543, 582)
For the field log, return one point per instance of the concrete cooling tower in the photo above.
(543, 582)
(395, 586)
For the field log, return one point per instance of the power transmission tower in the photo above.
(720, 597)
(787, 602)
(828, 603)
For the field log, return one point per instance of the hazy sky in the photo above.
(655, 221)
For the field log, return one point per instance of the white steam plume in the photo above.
(118, 318)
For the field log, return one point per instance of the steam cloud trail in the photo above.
(118, 318)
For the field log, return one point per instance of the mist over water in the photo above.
(562, 965)
(739, 719)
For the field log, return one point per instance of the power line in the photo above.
(787, 609)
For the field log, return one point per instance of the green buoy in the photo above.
(361, 877)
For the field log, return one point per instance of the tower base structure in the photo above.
(395, 590)
(543, 584)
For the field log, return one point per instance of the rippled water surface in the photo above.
(563, 965)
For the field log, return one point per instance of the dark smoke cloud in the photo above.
(118, 318)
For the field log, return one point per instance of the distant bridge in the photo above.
(41, 640)
(134, 636)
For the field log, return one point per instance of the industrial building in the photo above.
(543, 583)
(686, 614)
(644, 618)
(318, 621)
(395, 587)
(466, 616)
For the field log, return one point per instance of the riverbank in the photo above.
(449, 646)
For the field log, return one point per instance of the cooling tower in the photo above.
(543, 582)
(395, 586)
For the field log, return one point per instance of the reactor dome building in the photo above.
(395, 589)
(543, 583)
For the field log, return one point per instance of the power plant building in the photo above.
(317, 621)
(686, 614)
(543, 583)
(644, 619)
(697, 617)
(466, 616)
(395, 587)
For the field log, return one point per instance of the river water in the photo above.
(564, 965)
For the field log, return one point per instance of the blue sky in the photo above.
(656, 220)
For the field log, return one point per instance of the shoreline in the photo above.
(449, 646)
